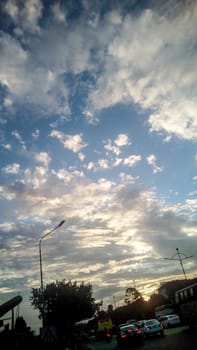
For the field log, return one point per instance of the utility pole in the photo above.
(180, 258)
(114, 301)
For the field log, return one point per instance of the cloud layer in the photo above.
(148, 59)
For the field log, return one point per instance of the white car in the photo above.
(170, 320)
(151, 327)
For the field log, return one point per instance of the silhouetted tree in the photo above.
(156, 300)
(23, 335)
(131, 295)
(64, 303)
(110, 308)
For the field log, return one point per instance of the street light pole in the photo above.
(181, 257)
(40, 258)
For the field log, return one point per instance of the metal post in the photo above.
(114, 300)
(41, 272)
(181, 262)
(12, 324)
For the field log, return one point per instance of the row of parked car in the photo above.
(170, 320)
(135, 333)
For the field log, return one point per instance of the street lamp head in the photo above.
(61, 223)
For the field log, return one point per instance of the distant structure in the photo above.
(9, 306)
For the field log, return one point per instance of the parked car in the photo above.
(129, 335)
(170, 320)
(150, 327)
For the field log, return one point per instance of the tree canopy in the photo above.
(131, 295)
(63, 303)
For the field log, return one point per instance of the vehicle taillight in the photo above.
(139, 331)
(123, 335)
(129, 331)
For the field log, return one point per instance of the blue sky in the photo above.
(98, 128)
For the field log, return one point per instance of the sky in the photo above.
(98, 127)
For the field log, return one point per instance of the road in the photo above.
(180, 338)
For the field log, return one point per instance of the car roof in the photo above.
(151, 320)
(127, 327)
(173, 315)
(123, 324)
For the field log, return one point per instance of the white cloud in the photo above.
(72, 142)
(43, 157)
(194, 193)
(35, 134)
(151, 159)
(169, 89)
(13, 59)
(90, 166)
(58, 13)
(7, 146)
(11, 8)
(30, 83)
(25, 14)
(7, 102)
(131, 228)
(17, 135)
(132, 44)
(132, 160)
(127, 178)
(122, 140)
(37, 177)
(184, 111)
(67, 176)
(117, 161)
(103, 163)
(11, 168)
(6, 194)
(115, 17)
(109, 147)
(81, 156)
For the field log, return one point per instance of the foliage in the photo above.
(131, 295)
(137, 310)
(63, 303)
(157, 300)
(110, 308)
(140, 309)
